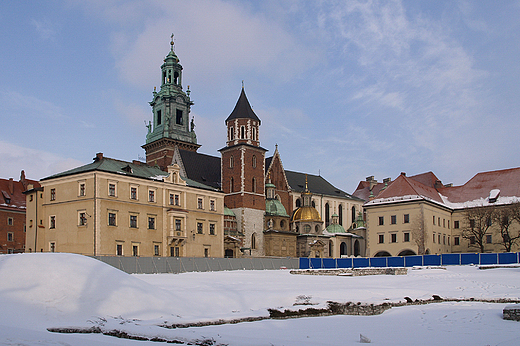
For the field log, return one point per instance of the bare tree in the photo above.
(504, 216)
(477, 221)
(419, 232)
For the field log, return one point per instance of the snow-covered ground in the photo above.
(40, 291)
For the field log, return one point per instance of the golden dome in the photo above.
(307, 214)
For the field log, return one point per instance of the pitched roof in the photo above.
(243, 109)
(506, 180)
(363, 190)
(428, 179)
(11, 192)
(202, 168)
(131, 169)
(404, 186)
(316, 184)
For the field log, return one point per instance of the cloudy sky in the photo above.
(347, 89)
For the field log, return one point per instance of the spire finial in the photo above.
(171, 42)
(242, 84)
(306, 188)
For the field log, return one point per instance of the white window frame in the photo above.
(136, 187)
(52, 221)
(114, 183)
(82, 188)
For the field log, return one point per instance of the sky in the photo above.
(346, 89)
(57, 290)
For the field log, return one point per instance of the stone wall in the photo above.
(511, 312)
(352, 272)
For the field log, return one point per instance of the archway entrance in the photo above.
(356, 248)
(382, 254)
(343, 249)
(407, 253)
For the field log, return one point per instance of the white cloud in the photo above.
(44, 28)
(36, 163)
(15, 104)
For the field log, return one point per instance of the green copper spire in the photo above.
(171, 107)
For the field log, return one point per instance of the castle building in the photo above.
(420, 215)
(12, 213)
(185, 203)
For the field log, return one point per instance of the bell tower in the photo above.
(171, 107)
(243, 173)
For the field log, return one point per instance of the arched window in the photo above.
(353, 214)
(231, 187)
(331, 254)
(231, 133)
(343, 249)
(282, 224)
(253, 185)
(298, 203)
(253, 241)
(254, 161)
(340, 214)
(176, 77)
(254, 133)
(356, 248)
(327, 214)
(242, 132)
(231, 162)
(317, 228)
(313, 204)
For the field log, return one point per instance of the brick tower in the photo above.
(243, 174)
(171, 113)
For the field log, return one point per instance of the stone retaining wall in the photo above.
(511, 312)
(352, 272)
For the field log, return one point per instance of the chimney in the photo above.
(387, 180)
(11, 186)
(23, 180)
(438, 184)
(99, 157)
(403, 173)
(372, 182)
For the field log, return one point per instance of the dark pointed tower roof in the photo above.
(242, 109)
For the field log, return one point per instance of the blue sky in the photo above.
(347, 89)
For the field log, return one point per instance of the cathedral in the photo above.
(268, 211)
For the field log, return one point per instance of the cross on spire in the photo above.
(171, 42)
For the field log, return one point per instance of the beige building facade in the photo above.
(419, 215)
(113, 207)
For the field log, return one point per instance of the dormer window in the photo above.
(493, 195)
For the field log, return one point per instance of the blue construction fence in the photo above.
(411, 261)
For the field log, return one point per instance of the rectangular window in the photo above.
(82, 219)
(439, 238)
(151, 196)
(406, 237)
(52, 222)
(174, 251)
(52, 247)
(177, 224)
(381, 221)
(156, 251)
(119, 249)
(212, 228)
(82, 189)
(10, 236)
(151, 222)
(455, 224)
(456, 241)
(206, 252)
(112, 219)
(434, 237)
(10, 221)
(448, 240)
(112, 190)
(199, 227)
(177, 200)
(439, 223)
(393, 219)
(172, 202)
(135, 250)
(200, 204)
(212, 205)
(133, 221)
(393, 238)
(489, 239)
(133, 193)
(443, 239)
(381, 238)
(472, 240)
(444, 223)
(53, 194)
(406, 218)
